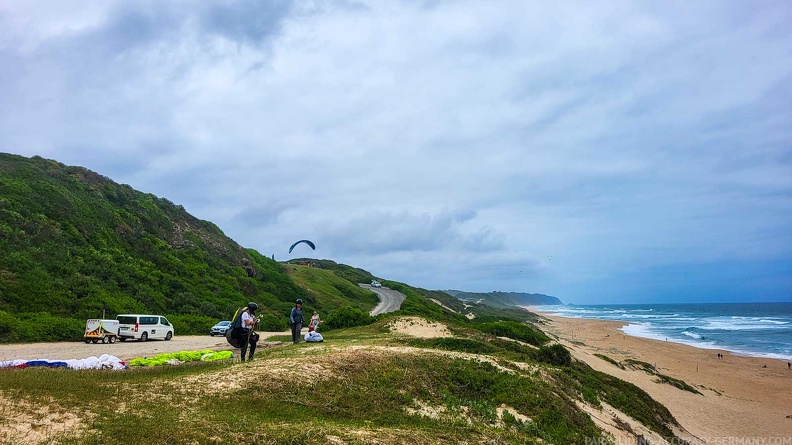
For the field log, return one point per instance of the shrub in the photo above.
(271, 323)
(554, 354)
(53, 328)
(610, 360)
(347, 317)
(9, 327)
(515, 331)
(191, 324)
(456, 344)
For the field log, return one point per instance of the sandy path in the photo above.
(124, 350)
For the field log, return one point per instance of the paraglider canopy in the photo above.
(302, 241)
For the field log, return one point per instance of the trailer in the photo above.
(97, 330)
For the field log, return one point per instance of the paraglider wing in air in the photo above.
(302, 241)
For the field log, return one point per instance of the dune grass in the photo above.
(661, 378)
(610, 360)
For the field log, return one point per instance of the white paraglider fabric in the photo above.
(313, 336)
(104, 361)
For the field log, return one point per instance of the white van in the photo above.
(143, 327)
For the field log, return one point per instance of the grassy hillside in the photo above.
(371, 384)
(327, 289)
(77, 245)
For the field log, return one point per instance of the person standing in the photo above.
(314, 321)
(296, 319)
(247, 336)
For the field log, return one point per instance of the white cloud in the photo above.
(453, 144)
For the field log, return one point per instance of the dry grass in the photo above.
(419, 327)
(25, 422)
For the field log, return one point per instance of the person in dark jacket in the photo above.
(296, 319)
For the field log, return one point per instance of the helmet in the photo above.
(252, 306)
(299, 301)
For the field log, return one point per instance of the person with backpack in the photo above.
(296, 320)
(247, 335)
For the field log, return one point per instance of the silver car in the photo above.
(220, 328)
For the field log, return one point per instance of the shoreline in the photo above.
(738, 353)
(741, 397)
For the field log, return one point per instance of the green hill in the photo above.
(505, 299)
(77, 245)
(329, 286)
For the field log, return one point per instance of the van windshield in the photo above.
(127, 320)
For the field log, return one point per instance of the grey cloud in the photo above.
(483, 271)
(637, 136)
(262, 215)
(383, 232)
(250, 21)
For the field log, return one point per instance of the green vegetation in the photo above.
(610, 360)
(661, 378)
(347, 317)
(554, 354)
(641, 366)
(417, 303)
(329, 286)
(513, 330)
(361, 388)
(577, 379)
(595, 386)
(423, 302)
(505, 299)
(351, 274)
(76, 245)
(467, 345)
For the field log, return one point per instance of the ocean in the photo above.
(750, 329)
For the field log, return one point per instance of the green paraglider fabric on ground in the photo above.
(174, 358)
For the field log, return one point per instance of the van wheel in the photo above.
(169, 336)
(104, 340)
(143, 336)
(111, 339)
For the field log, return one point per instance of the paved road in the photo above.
(390, 300)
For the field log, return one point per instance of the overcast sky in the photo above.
(600, 152)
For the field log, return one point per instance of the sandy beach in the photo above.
(745, 399)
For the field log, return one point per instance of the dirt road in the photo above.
(124, 350)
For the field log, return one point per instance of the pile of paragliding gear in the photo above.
(313, 337)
